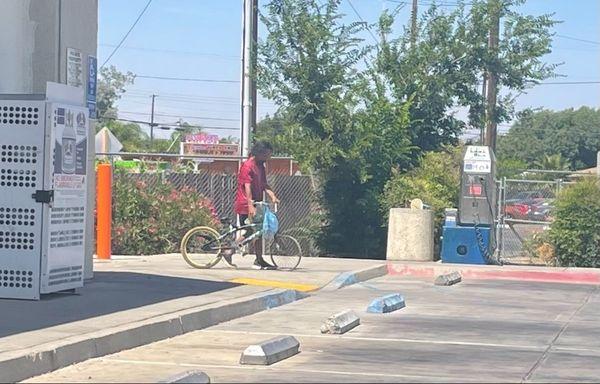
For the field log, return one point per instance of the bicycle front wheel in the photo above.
(201, 247)
(285, 252)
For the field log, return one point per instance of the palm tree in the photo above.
(552, 163)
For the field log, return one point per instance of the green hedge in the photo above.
(152, 217)
(575, 232)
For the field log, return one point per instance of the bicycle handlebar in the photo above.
(275, 206)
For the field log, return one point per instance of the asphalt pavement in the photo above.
(476, 331)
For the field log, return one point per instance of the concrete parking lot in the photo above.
(476, 331)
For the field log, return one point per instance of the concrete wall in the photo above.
(34, 38)
(410, 235)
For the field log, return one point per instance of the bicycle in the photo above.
(202, 247)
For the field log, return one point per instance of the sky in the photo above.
(201, 39)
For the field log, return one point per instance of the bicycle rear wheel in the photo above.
(201, 247)
(285, 252)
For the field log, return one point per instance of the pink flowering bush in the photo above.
(151, 217)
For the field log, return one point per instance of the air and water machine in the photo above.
(468, 235)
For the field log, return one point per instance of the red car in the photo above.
(517, 210)
(520, 207)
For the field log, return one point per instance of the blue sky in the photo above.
(202, 39)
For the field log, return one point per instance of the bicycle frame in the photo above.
(234, 229)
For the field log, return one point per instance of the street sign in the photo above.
(92, 86)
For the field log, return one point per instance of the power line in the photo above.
(196, 101)
(441, 4)
(237, 81)
(225, 57)
(578, 39)
(366, 24)
(569, 82)
(127, 34)
(185, 79)
(187, 95)
(169, 124)
(187, 117)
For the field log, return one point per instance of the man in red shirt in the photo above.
(251, 186)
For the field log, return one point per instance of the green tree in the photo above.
(574, 135)
(178, 136)
(338, 121)
(273, 129)
(510, 168)
(111, 86)
(444, 67)
(131, 135)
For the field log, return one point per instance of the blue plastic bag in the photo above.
(270, 224)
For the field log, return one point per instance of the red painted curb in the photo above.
(496, 273)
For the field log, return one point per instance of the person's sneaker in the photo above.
(264, 265)
(257, 265)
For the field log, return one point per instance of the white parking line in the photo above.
(416, 341)
(266, 368)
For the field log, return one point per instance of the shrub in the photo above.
(152, 217)
(539, 248)
(575, 232)
(436, 181)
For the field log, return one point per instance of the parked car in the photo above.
(522, 205)
(517, 210)
(529, 196)
(542, 210)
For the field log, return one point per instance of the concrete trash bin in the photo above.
(410, 235)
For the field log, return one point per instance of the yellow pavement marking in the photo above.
(275, 284)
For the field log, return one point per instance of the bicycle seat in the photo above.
(225, 220)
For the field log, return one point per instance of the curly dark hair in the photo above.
(260, 148)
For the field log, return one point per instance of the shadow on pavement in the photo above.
(107, 293)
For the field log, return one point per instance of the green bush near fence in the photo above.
(151, 218)
(575, 232)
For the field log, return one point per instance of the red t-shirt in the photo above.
(252, 173)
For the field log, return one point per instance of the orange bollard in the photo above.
(103, 211)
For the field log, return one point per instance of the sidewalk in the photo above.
(134, 301)
(494, 272)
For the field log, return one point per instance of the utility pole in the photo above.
(483, 123)
(152, 124)
(492, 77)
(250, 33)
(413, 28)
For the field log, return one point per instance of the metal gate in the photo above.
(22, 140)
(524, 216)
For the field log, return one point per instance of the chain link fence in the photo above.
(298, 213)
(524, 217)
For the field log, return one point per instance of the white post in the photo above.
(248, 85)
(598, 164)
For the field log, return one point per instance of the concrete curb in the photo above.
(189, 377)
(387, 304)
(270, 351)
(492, 272)
(20, 365)
(340, 323)
(349, 278)
(448, 279)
